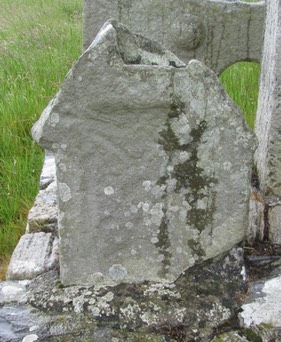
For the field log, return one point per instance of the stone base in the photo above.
(202, 305)
(191, 309)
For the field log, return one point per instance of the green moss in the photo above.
(59, 284)
(252, 336)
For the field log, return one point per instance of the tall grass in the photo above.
(241, 81)
(39, 40)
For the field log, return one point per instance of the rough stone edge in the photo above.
(18, 270)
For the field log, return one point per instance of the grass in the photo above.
(39, 41)
(241, 81)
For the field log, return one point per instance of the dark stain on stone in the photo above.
(266, 224)
(173, 64)
(164, 244)
(196, 247)
(255, 182)
(169, 141)
(188, 174)
(177, 107)
(162, 180)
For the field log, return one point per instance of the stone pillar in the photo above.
(153, 163)
(217, 33)
(268, 123)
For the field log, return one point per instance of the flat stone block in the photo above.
(264, 310)
(34, 254)
(13, 291)
(274, 217)
(256, 218)
(43, 216)
(48, 174)
(268, 123)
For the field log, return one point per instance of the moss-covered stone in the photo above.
(199, 302)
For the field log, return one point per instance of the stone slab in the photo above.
(13, 291)
(266, 308)
(262, 313)
(218, 33)
(43, 216)
(34, 254)
(274, 220)
(256, 229)
(48, 174)
(19, 322)
(153, 163)
(268, 123)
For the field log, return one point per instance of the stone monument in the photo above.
(153, 163)
(268, 126)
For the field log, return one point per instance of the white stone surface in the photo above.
(12, 291)
(30, 338)
(48, 174)
(267, 308)
(32, 256)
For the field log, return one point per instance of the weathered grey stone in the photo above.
(48, 174)
(34, 254)
(43, 216)
(256, 229)
(268, 123)
(218, 33)
(19, 322)
(202, 302)
(191, 309)
(274, 220)
(13, 291)
(232, 336)
(153, 162)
